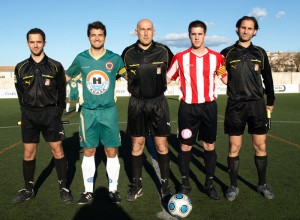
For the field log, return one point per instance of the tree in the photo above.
(297, 61)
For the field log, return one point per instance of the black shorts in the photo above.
(46, 120)
(197, 120)
(148, 115)
(240, 113)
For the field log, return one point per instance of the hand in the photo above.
(270, 107)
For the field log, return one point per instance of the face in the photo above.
(145, 32)
(36, 44)
(246, 31)
(197, 37)
(97, 38)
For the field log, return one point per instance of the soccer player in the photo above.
(98, 119)
(73, 94)
(197, 67)
(249, 79)
(146, 62)
(41, 88)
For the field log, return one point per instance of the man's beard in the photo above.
(38, 53)
(97, 48)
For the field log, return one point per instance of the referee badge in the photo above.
(256, 67)
(158, 70)
(47, 82)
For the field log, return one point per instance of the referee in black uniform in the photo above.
(146, 62)
(41, 87)
(249, 79)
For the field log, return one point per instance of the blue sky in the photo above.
(65, 23)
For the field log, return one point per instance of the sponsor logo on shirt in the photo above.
(97, 82)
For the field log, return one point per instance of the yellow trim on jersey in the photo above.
(134, 65)
(235, 61)
(27, 77)
(256, 60)
(48, 76)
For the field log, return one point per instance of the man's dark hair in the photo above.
(239, 22)
(96, 25)
(36, 31)
(197, 23)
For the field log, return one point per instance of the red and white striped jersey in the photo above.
(197, 74)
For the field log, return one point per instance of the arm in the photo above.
(74, 71)
(225, 80)
(61, 88)
(268, 81)
(125, 76)
(122, 73)
(18, 85)
(173, 70)
(222, 74)
(122, 70)
(68, 79)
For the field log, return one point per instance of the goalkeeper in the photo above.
(73, 94)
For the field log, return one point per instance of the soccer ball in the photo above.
(180, 205)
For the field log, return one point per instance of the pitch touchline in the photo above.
(283, 140)
(10, 147)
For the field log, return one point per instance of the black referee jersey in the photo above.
(249, 73)
(40, 84)
(146, 69)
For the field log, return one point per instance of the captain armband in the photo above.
(221, 72)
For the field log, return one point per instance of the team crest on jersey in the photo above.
(97, 82)
(109, 65)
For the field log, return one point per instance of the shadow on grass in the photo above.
(151, 169)
(101, 208)
(72, 150)
(198, 153)
(43, 176)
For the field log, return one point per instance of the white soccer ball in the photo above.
(180, 205)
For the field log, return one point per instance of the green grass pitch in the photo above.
(283, 146)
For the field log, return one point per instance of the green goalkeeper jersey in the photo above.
(73, 87)
(98, 77)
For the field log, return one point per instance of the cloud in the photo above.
(209, 23)
(182, 40)
(258, 13)
(280, 14)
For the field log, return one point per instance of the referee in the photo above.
(249, 79)
(41, 87)
(146, 62)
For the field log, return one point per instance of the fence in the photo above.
(284, 82)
